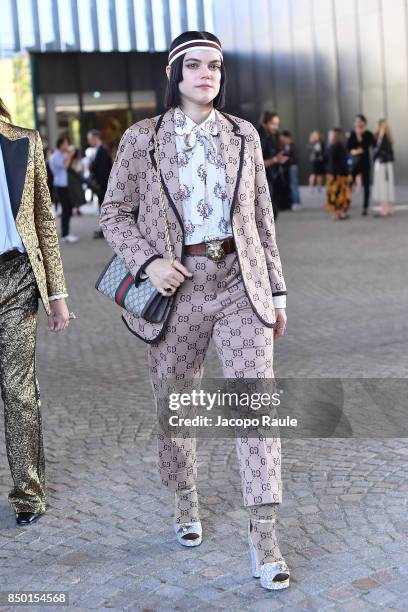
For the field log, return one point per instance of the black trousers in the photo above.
(101, 195)
(64, 199)
(364, 170)
(274, 204)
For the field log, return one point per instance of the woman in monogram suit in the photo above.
(227, 278)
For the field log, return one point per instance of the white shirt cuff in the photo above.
(279, 301)
(57, 296)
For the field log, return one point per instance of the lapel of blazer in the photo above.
(168, 163)
(233, 149)
(15, 155)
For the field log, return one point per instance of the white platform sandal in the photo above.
(189, 534)
(275, 575)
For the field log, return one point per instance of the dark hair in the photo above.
(362, 117)
(61, 139)
(4, 111)
(95, 133)
(338, 135)
(172, 96)
(267, 116)
(286, 133)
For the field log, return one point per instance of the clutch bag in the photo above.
(142, 300)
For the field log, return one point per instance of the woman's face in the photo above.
(359, 124)
(273, 125)
(201, 76)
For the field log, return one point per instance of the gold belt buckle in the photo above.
(214, 250)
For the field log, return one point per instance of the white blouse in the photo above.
(206, 206)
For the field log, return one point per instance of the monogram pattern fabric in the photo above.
(132, 224)
(35, 222)
(213, 304)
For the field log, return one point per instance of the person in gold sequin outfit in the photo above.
(30, 268)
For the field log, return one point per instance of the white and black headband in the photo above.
(191, 45)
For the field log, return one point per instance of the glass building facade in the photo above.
(98, 25)
(92, 63)
(100, 63)
(318, 63)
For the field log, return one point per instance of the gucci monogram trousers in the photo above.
(213, 304)
(19, 386)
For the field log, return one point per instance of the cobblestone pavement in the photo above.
(107, 538)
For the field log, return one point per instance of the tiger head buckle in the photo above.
(214, 250)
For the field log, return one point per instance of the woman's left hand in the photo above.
(59, 317)
(280, 325)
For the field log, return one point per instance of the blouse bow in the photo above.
(198, 144)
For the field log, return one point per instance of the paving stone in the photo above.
(107, 538)
(382, 597)
(365, 584)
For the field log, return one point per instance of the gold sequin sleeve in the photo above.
(45, 225)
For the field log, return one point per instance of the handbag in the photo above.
(356, 164)
(118, 284)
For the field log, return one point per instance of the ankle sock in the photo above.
(263, 534)
(186, 508)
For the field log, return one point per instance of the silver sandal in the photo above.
(189, 534)
(268, 572)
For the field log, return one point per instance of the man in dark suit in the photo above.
(100, 168)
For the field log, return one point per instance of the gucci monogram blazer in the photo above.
(132, 224)
(31, 205)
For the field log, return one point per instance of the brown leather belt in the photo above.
(9, 255)
(214, 249)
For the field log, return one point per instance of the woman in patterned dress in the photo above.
(338, 185)
(227, 279)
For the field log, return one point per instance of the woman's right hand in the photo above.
(165, 276)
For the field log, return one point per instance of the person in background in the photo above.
(316, 156)
(30, 268)
(100, 169)
(50, 177)
(274, 159)
(359, 144)
(75, 183)
(384, 189)
(289, 149)
(60, 160)
(337, 184)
